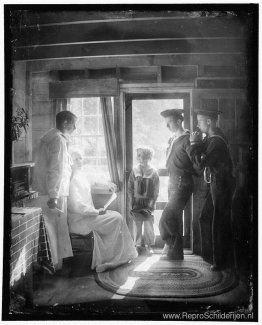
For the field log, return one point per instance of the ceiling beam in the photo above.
(61, 15)
(127, 30)
(131, 49)
(132, 61)
(187, 39)
(84, 87)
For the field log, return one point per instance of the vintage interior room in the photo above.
(116, 69)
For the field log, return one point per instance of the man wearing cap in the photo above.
(212, 157)
(180, 185)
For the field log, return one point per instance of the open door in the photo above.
(145, 126)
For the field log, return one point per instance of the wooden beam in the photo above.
(219, 71)
(216, 83)
(130, 48)
(180, 86)
(63, 16)
(82, 88)
(159, 74)
(131, 61)
(128, 30)
(179, 72)
(139, 73)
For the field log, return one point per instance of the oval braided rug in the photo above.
(150, 277)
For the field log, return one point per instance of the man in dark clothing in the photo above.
(180, 186)
(212, 156)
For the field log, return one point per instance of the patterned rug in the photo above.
(149, 277)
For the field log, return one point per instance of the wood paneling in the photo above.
(41, 107)
(216, 83)
(220, 71)
(85, 87)
(178, 72)
(42, 122)
(43, 76)
(40, 90)
(139, 73)
(21, 148)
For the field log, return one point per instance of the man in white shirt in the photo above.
(52, 178)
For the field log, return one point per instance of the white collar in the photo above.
(146, 174)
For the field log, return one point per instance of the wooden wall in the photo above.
(43, 109)
(21, 149)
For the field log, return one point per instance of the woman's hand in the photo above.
(112, 187)
(101, 211)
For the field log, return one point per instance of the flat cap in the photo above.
(173, 112)
(208, 112)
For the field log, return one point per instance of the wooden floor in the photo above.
(74, 294)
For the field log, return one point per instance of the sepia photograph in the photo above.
(130, 162)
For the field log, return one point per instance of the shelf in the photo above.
(30, 164)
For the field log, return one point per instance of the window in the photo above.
(89, 136)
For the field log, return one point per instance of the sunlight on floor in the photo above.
(157, 216)
(130, 282)
(148, 263)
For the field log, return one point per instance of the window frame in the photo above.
(96, 136)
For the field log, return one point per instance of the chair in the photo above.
(82, 243)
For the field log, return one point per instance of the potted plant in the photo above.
(20, 122)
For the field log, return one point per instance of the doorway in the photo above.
(145, 126)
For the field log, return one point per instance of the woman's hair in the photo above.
(75, 151)
(146, 151)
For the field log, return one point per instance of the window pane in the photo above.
(91, 106)
(89, 146)
(101, 147)
(102, 162)
(79, 124)
(76, 142)
(100, 125)
(90, 125)
(76, 106)
(89, 137)
(89, 161)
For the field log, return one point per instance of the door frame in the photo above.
(128, 93)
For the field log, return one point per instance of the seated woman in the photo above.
(113, 244)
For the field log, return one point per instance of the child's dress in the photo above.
(143, 190)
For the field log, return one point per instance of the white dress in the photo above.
(113, 244)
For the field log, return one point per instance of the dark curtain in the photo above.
(110, 138)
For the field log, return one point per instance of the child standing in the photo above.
(143, 190)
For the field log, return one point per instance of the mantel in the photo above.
(31, 164)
